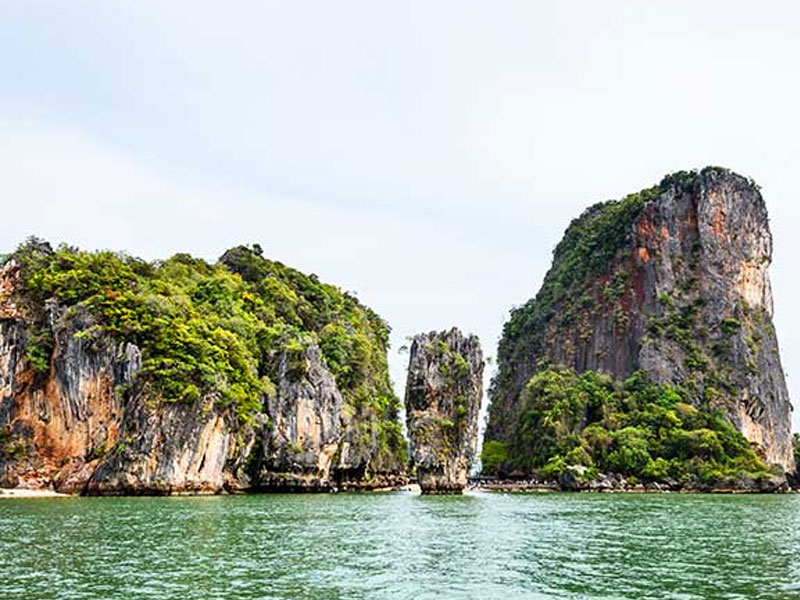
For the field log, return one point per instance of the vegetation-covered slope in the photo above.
(644, 431)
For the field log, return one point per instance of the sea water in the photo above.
(402, 546)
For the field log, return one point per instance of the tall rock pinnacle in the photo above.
(443, 399)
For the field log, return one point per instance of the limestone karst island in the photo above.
(648, 360)
(364, 300)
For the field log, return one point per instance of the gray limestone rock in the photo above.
(443, 399)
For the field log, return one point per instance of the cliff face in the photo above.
(443, 400)
(55, 428)
(671, 282)
(121, 377)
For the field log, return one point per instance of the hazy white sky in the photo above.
(426, 154)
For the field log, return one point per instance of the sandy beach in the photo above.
(23, 493)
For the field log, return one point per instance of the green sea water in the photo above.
(402, 545)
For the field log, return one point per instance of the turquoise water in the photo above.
(402, 546)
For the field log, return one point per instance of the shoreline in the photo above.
(30, 493)
(548, 488)
(505, 487)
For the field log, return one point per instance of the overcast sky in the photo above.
(427, 155)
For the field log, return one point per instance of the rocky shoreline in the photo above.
(483, 486)
(617, 484)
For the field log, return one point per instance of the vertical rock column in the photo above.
(443, 399)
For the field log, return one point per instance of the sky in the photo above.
(426, 155)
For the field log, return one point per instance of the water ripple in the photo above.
(399, 546)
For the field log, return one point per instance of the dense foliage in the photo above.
(796, 448)
(211, 330)
(638, 429)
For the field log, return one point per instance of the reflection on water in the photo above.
(402, 546)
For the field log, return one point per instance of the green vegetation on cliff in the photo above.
(796, 447)
(212, 330)
(634, 428)
(589, 244)
(587, 251)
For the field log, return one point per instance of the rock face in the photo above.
(306, 433)
(88, 421)
(56, 428)
(443, 399)
(671, 282)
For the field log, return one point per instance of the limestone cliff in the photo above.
(124, 377)
(671, 282)
(443, 399)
